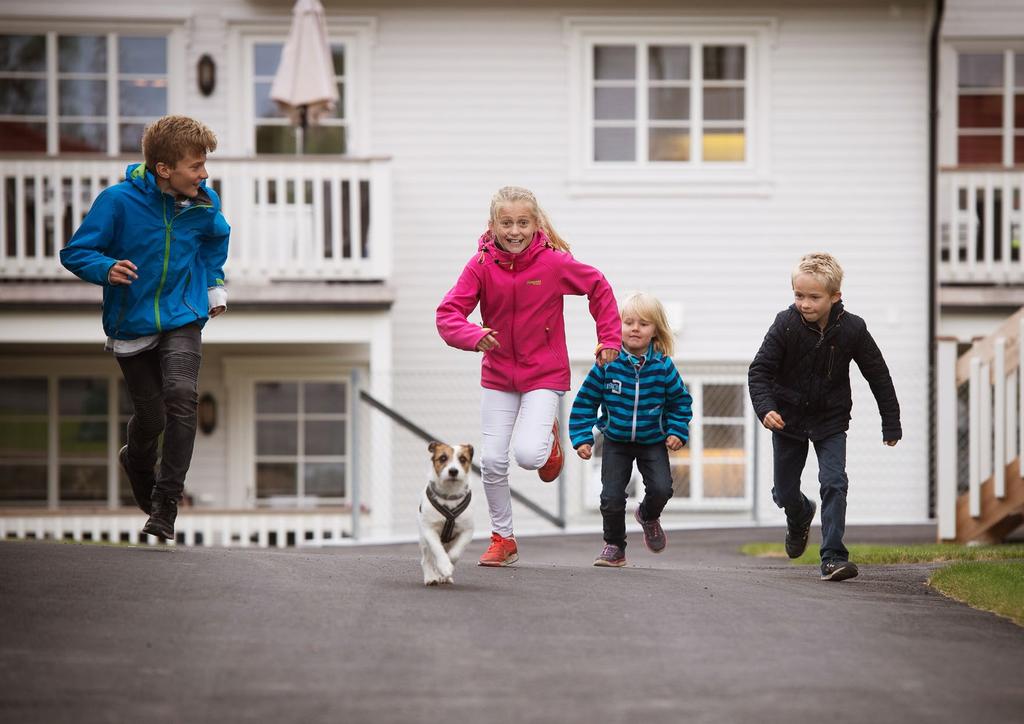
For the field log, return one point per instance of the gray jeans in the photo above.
(163, 384)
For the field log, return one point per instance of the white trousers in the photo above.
(531, 414)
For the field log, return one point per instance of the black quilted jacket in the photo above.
(804, 374)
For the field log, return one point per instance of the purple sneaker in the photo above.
(611, 557)
(654, 534)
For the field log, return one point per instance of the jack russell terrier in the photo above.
(445, 516)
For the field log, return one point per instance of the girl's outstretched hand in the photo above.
(674, 443)
(607, 356)
(489, 341)
(584, 451)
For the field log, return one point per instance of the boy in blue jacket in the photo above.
(645, 413)
(157, 242)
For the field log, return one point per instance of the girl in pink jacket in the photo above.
(518, 276)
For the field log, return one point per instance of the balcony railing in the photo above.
(979, 232)
(291, 219)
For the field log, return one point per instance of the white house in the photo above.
(694, 150)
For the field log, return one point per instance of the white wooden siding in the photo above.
(983, 19)
(471, 97)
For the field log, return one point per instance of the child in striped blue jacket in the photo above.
(645, 412)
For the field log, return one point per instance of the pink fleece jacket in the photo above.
(520, 297)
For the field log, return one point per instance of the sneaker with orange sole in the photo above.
(551, 469)
(501, 552)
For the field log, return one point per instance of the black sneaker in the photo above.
(161, 519)
(141, 485)
(838, 570)
(612, 556)
(654, 534)
(797, 534)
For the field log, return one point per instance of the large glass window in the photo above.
(656, 103)
(714, 467)
(24, 405)
(990, 108)
(107, 87)
(274, 131)
(80, 433)
(301, 433)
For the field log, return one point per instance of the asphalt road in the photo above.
(93, 633)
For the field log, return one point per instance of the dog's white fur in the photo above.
(449, 476)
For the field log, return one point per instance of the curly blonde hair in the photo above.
(823, 267)
(171, 138)
(513, 194)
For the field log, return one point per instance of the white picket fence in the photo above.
(995, 412)
(315, 218)
(193, 528)
(980, 221)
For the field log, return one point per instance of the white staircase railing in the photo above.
(995, 411)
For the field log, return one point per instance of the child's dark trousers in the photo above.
(790, 457)
(163, 384)
(616, 468)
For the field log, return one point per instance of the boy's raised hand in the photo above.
(488, 342)
(585, 451)
(123, 272)
(674, 443)
(773, 421)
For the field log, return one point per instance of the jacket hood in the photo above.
(144, 180)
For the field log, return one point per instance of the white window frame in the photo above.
(173, 31)
(641, 177)
(696, 502)
(75, 368)
(949, 121)
(357, 34)
(241, 375)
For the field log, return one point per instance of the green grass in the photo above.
(991, 586)
(889, 554)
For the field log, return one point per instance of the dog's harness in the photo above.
(450, 514)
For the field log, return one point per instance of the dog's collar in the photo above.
(437, 493)
(449, 514)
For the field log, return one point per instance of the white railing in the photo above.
(262, 530)
(991, 369)
(980, 227)
(312, 218)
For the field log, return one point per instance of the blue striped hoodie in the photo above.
(641, 399)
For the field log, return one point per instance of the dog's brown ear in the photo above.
(433, 445)
(469, 449)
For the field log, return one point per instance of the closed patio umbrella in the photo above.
(304, 85)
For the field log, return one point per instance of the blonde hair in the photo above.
(649, 309)
(513, 194)
(171, 138)
(822, 267)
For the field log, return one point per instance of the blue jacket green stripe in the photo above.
(640, 399)
(179, 256)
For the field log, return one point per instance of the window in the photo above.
(714, 469)
(274, 132)
(657, 103)
(72, 438)
(105, 88)
(302, 443)
(990, 108)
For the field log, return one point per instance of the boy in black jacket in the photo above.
(800, 386)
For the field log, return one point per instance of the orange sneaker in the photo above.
(501, 552)
(550, 470)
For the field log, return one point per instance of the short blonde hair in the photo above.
(648, 308)
(822, 267)
(171, 138)
(512, 194)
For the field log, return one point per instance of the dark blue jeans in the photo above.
(616, 469)
(163, 383)
(790, 457)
